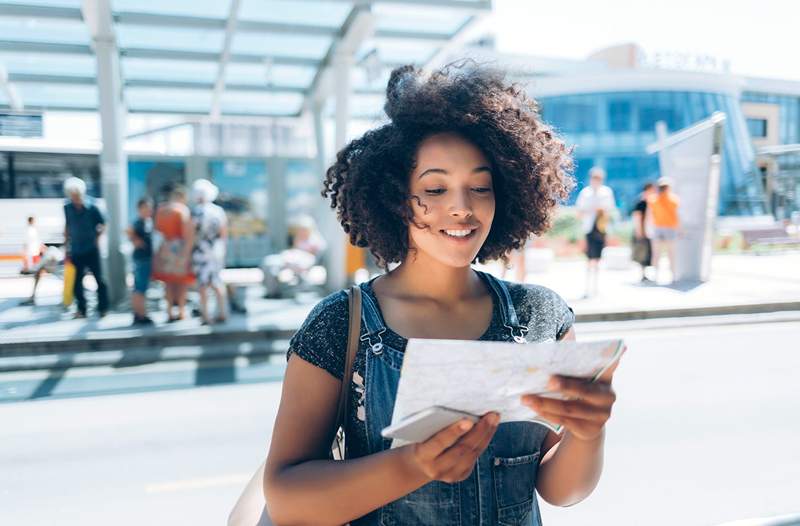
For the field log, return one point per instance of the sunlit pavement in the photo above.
(704, 432)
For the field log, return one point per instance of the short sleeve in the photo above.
(581, 202)
(542, 310)
(98, 216)
(322, 339)
(565, 316)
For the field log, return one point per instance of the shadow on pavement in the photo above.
(54, 377)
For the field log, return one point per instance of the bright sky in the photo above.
(758, 37)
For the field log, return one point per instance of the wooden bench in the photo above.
(771, 237)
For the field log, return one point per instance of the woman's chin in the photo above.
(451, 260)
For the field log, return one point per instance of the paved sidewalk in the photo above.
(739, 284)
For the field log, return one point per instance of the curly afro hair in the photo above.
(368, 184)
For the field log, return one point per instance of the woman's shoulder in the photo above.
(541, 309)
(529, 293)
(322, 338)
(330, 308)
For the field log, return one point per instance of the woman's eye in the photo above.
(482, 189)
(435, 191)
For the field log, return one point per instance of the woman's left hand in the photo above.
(585, 410)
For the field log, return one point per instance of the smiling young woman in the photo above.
(464, 171)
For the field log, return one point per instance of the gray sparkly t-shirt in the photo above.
(322, 341)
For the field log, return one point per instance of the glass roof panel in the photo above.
(361, 79)
(168, 99)
(48, 64)
(60, 95)
(303, 46)
(418, 18)
(177, 38)
(397, 51)
(163, 69)
(317, 13)
(195, 8)
(52, 3)
(43, 30)
(260, 103)
(269, 74)
(367, 106)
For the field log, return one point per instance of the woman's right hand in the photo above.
(450, 455)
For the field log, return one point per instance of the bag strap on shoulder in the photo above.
(352, 347)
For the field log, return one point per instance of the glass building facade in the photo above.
(612, 130)
(789, 113)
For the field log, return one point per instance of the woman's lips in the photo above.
(460, 239)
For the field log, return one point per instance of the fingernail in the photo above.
(553, 383)
(465, 425)
(494, 419)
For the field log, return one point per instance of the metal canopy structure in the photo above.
(270, 58)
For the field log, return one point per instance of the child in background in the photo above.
(32, 250)
(141, 235)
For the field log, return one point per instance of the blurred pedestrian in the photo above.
(664, 211)
(172, 258)
(49, 262)
(208, 255)
(291, 266)
(141, 235)
(84, 225)
(32, 249)
(595, 205)
(642, 246)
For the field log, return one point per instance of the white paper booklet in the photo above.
(478, 377)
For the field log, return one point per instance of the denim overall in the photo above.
(501, 487)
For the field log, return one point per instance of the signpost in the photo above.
(692, 159)
(20, 124)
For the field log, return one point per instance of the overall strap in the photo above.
(373, 322)
(507, 311)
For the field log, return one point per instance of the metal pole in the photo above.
(337, 240)
(113, 160)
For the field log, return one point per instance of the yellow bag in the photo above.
(69, 283)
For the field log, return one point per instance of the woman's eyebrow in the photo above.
(433, 171)
(479, 169)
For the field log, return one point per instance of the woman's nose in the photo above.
(461, 206)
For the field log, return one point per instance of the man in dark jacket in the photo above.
(84, 225)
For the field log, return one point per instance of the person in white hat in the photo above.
(208, 254)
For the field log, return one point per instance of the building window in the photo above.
(649, 116)
(757, 128)
(619, 116)
(571, 117)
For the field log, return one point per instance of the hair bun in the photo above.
(401, 84)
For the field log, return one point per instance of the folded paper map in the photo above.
(478, 377)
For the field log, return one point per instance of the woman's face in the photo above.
(452, 194)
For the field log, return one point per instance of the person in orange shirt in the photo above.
(663, 210)
(172, 259)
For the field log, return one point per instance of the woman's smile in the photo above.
(460, 234)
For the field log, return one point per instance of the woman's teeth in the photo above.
(458, 233)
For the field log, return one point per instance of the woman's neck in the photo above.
(422, 277)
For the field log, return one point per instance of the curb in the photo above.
(136, 347)
(129, 357)
(137, 339)
(686, 312)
